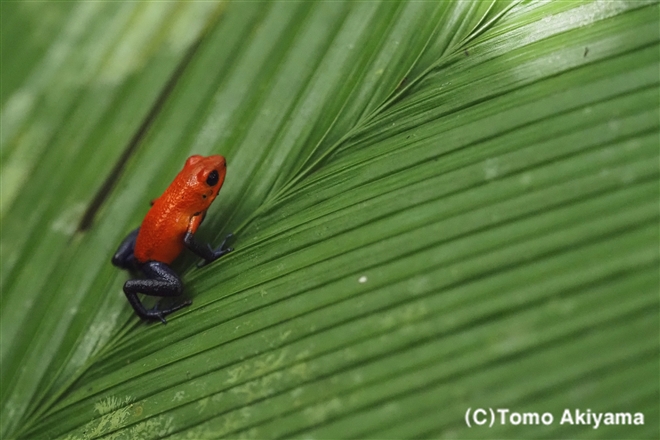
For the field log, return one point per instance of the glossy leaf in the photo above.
(438, 206)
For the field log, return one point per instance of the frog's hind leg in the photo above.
(161, 281)
(124, 257)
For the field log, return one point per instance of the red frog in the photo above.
(168, 227)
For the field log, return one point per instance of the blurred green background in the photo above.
(438, 206)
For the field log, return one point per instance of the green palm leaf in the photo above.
(438, 206)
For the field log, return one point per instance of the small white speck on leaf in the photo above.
(362, 279)
(526, 179)
(491, 168)
(67, 221)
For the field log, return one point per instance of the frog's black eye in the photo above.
(212, 179)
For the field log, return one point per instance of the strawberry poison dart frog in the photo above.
(168, 227)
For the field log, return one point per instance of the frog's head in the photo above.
(204, 177)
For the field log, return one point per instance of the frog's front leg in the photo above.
(124, 257)
(161, 281)
(206, 251)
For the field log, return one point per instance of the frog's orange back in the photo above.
(180, 209)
